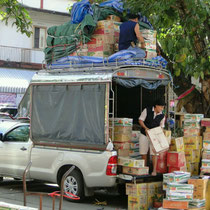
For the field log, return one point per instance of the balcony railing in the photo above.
(21, 54)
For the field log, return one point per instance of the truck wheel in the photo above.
(74, 184)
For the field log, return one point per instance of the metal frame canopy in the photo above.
(101, 74)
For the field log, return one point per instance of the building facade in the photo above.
(22, 56)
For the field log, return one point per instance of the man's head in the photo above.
(159, 105)
(134, 17)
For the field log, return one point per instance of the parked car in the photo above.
(8, 108)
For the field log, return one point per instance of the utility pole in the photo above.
(41, 4)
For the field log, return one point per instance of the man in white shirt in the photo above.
(151, 117)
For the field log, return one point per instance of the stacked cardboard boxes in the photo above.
(150, 42)
(205, 167)
(193, 142)
(140, 196)
(178, 194)
(134, 145)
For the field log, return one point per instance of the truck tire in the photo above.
(74, 184)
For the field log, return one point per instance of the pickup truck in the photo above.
(94, 169)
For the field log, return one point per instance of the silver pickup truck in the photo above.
(94, 169)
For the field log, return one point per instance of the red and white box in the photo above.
(176, 159)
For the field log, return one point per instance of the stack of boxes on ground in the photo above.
(205, 167)
(126, 142)
(185, 152)
(140, 196)
(105, 39)
(183, 192)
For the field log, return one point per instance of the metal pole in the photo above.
(24, 182)
(62, 186)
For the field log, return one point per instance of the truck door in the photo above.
(15, 151)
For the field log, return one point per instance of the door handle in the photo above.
(23, 149)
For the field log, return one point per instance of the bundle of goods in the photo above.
(150, 42)
(126, 142)
(205, 167)
(182, 192)
(192, 125)
(140, 196)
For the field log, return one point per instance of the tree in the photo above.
(12, 9)
(183, 28)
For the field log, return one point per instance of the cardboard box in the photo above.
(135, 136)
(205, 122)
(193, 117)
(172, 169)
(136, 189)
(180, 196)
(191, 142)
(123, 152)
(158, 139)
(190, 156)
(192, 131)
(124, 161)
(123, 129)
(205, 163)
(206, 154)
(122, 137)
(180, 188)
(177, 144)
(123, 122)
(134, 145)
(176, 176)
(134, 152)
(206, 136)
(113, 17)
(137, 202)
(200, 142)
(190, 167)
(150, 53)
(176, 159)
(167, 134)
(136, 171)
(197, 154)
(196, 170)
(175, 204)
(121, 145)
(104, 27)
(206, 145)
(162, 162)
(207, 129)
(192, 124)
(199, 188)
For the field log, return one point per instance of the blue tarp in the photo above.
(123, 57)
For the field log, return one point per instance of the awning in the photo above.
(14, 80)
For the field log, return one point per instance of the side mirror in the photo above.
(1, 136)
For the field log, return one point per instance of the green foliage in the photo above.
(183, 32)
(12, 9)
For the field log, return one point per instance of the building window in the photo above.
(39, 37)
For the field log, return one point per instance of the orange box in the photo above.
(168, 204)
(206, 136)
(176, 159)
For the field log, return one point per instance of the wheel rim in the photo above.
(70, 185)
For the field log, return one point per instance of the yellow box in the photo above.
(191, 142)
(190, 167)
(200, 142)
(168, 135)
(197, 156)
(136, 171)
(136, 189)
(122, 137)
(137, 202)
(196, 170)
(123, 152)
(123, 129)
(130, 162)
(177, 144)
(190, 156)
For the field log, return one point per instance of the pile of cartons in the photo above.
(105, 39)
(127, 146)
(205, 167)
(150, 42)
(193, 141)
(140, 196)
(185, 196)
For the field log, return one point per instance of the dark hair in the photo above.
(133, 16)
(160, 102)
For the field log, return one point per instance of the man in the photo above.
(129, 34)
(151, 117)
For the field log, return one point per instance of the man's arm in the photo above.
(139, 36)
(141, 122)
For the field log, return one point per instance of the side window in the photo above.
(19, 134)
(39, 37)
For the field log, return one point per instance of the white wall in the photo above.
(56, 5)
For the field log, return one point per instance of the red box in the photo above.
(176, 159)
(172, 169)
(162, 163)
(168, 204)
(205, 122)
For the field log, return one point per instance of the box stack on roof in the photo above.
(127, 145)
(205, 168)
